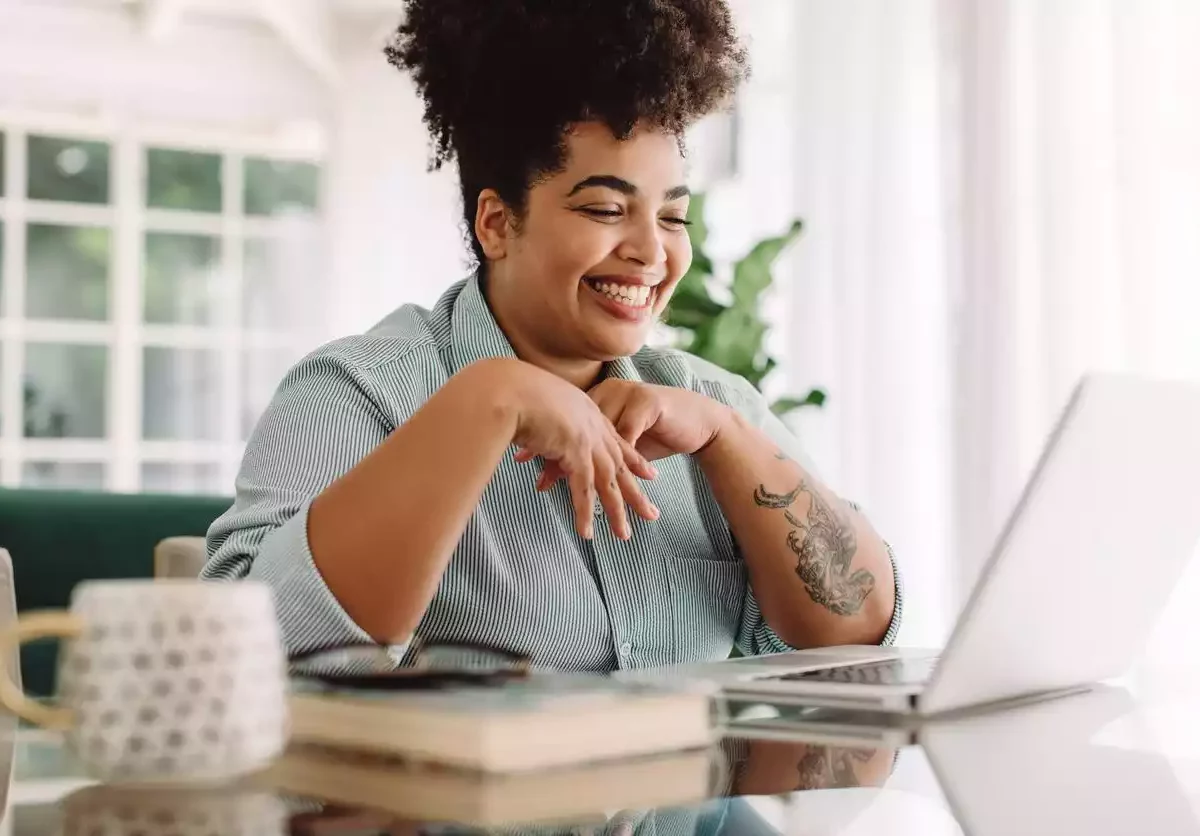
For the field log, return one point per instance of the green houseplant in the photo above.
(731, 334)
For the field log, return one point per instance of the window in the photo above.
(152, 295)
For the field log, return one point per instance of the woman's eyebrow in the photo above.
(620, 184)
(605, 181)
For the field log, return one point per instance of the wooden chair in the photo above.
(180, 557)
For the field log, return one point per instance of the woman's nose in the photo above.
(643, 245)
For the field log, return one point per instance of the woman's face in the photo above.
(600, 249)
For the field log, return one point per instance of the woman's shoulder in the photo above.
(411, 333)
(673, 367)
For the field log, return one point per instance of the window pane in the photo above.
(65, 391)
(68, 169)
(282, 290)
(181, 273)
(63, 475)
(262, 372)
(191, 478)
(183, 180)
(181, 394)
(67, 272)
(275, 187)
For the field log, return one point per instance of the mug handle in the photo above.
(46, 624)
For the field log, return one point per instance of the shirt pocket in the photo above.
(706, 599)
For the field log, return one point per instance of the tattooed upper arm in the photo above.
(824, 543)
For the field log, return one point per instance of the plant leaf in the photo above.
(752, 273)
(698, 230)
(735, 343)
(783, 406)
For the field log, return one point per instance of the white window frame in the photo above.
(123, 450)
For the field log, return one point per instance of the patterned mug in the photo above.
(162, 681)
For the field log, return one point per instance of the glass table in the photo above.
(1116, 760)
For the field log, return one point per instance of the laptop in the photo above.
(1086, 763)
(1076, 582)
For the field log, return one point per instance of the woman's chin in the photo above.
(611, 346)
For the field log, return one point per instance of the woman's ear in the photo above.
(492, 226)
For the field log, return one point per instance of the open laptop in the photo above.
(1088, 763)
(1103, 530)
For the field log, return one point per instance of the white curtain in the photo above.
(1079, 122)
(1000, 196)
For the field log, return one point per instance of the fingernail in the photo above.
(654, 511)
(653, 470)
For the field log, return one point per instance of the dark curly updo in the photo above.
(503, 79)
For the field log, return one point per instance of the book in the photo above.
(430, 793)
(540, 722)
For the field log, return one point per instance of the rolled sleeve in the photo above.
(893, 630)
(310, 616)
(324, 419)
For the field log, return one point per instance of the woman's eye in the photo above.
(677, 221)
(602, 213)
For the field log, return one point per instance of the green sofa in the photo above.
(59, 538)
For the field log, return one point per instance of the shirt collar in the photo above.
(474, 332)
(475, 335)
(621, 368)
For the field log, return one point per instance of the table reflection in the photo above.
(1082, 764)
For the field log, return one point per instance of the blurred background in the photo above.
(996, 196)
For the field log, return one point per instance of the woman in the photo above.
(514, 468)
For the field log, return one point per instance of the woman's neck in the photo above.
(578, 372)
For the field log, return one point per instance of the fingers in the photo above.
(635, 461)
(610, 494)
(631, 491)
(634, 420)
(581, 480)
(551, 473)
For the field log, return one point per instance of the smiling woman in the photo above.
(515, 468)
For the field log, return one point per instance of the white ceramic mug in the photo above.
(162, 681)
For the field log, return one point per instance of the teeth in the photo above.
(635, 296)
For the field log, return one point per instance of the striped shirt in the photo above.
(520, 577)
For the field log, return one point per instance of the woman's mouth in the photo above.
(635, 297)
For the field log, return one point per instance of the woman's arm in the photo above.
(382, 534)
(352, 522)
(821, 574)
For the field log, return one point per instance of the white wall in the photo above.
(394, 226)
(94, 61)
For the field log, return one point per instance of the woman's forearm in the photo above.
(382, 535)
(821, 574)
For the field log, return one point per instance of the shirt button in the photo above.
(626, 648)
(598, 507)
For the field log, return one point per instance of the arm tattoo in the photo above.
(824, 544)
(828, 768)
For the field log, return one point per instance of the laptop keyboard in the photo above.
(889, 672)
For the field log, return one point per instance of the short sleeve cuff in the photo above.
(893, 630)
(310, 617)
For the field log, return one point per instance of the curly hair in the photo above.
(503, 80)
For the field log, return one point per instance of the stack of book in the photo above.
(547, 749)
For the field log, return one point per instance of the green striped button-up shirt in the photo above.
(520, 577)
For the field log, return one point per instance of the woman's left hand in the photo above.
(659, 421)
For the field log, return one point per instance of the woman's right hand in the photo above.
(560, 423)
